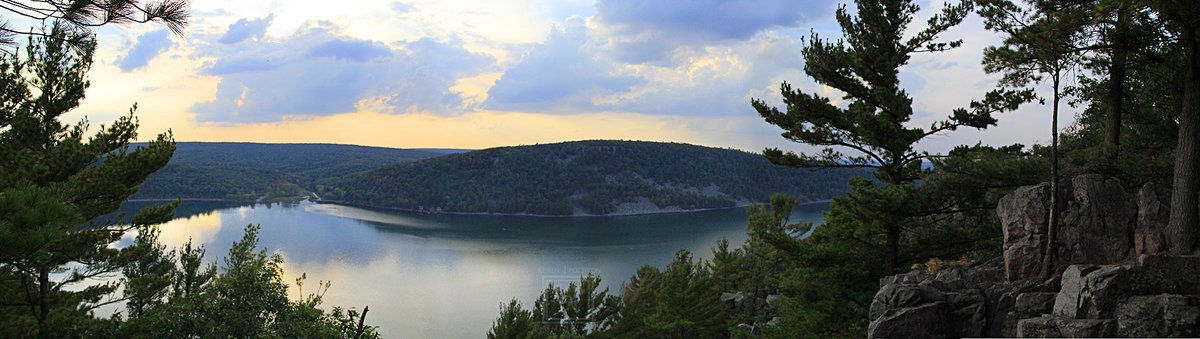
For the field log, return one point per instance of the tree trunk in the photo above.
(358, 333)
(43, 302)
(1116, 98)
(1181, 229)
(893, 248)
(892, 263)
(1048, 258)
(1116, 94)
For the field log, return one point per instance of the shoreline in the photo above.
(183, 199)
(575, 215)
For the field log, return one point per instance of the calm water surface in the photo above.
(446, 276)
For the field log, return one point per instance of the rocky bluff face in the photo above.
(1112, 282)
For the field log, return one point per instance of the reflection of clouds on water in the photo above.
(369, 215)
(200, 228)
(445, 276)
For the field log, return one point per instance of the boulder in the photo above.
(973, 301)
(1153, 213)
(968, 313)
(1034, 304)
(1092, 292)
(1159, 274)
(1040, 327)
(1097, 225)
(1087, 328)
(734, 300)
(1050, 326)
(773, 301)
(1002, 321)
(923, 321)
(1147, 316)
(750, 329)
(1024, 214)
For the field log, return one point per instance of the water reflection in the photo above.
(445, 276)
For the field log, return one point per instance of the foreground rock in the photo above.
(1158, 296)
(1099, 289)
(957, 302)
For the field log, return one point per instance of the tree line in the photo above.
(249, 171)
(593, 176)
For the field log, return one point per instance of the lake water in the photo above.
(445, 276)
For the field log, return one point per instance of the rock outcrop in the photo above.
(1158, 296)
(1101, 290)
(1153, 213)
(1097, 226)
(958, 302)
(1024, 214)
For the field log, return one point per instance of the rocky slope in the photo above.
(1112, 281)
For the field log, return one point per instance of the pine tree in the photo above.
(53, 179)
(514, 323)
(865, 67)
(78, 17)
(1038, 44)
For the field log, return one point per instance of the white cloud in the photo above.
(148, 46)
(319, 71)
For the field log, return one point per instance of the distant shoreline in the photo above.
(577, 214)
(184, 199)
(574, 215)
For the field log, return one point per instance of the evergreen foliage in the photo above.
(245, 298)
(54, 178)
(76, 18)
(865, 67)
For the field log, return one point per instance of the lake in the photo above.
(445, 276)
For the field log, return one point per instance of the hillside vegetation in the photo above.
(584, 177)
(248, 171)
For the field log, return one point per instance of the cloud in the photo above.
(268, 81)
(350, 49)
(247, 64)
(148, 46)
(569, 74)
(720, 80)
(400, 7)
(245, 29)
(562, 75)
(649, 31)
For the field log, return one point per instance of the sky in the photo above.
(478, 74)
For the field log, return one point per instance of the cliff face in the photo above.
(1110, 281)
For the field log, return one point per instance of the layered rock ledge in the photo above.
(1111, 281)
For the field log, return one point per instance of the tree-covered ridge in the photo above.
(593, 177)
(248, 171)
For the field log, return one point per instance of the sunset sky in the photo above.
(478, 74)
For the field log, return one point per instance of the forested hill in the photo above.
(584, 177)
(248, 171)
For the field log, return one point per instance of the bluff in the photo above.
(1111, 279)
(593, 177)
(248, 171)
